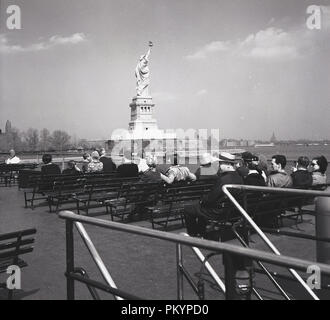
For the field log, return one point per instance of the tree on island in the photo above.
(45, 140)
(31, 137)
(60, 140)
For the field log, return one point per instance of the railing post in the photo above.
(179, 272)
(69, 260)
(246, 232)
(322, 225)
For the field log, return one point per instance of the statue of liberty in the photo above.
(142, 74)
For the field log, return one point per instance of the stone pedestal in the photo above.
(143, 135)
(142, 112)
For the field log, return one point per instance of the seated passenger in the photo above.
(13, 159)
(319, 167)
(142, 166)
(198, 214)
(255, 176)
(152, 174)
(108, 164)
(178, 173)
(243, 170)
(207, 170)
(72, 169)
(263, 164)
(278, 178)
(301, 178)
(95, 166)
(128, 169)
(87, 159)
(49, 168)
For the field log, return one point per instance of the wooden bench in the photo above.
(133, 198)
(98, 191)
(12, 246)
(38, 187)
(267, 210)
(170, 206)
(65, 191)
(9, 173)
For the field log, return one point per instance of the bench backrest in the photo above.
(185, 193)
(141, 191)
(15, 244)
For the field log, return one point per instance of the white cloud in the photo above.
(213, 47)
(269, 44)
(6, 47)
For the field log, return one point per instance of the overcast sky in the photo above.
(246, 67)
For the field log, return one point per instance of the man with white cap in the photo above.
(13, 159)
(197, 215)
(207, 170)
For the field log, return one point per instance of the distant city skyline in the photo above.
(249, 68)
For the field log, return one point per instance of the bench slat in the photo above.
(16, 234)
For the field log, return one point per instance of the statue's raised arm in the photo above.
(142, 74)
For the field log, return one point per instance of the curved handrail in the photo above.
(281, 260)
(208, 267)
(96, 257)
(259, 231)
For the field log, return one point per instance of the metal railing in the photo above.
(256, 227)
(182, 271)
(229, 251)
(263, 268)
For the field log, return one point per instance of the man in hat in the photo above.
(250, 171)
(198, 214)
(246, 159)
(207, 170)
